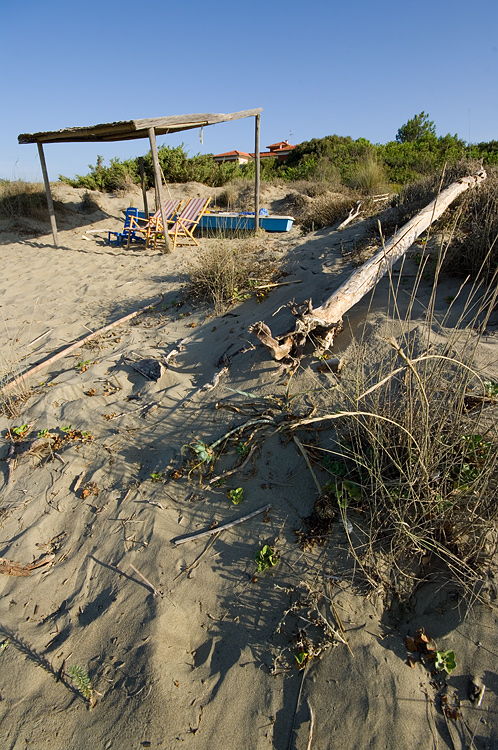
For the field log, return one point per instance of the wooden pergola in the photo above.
(127, 130)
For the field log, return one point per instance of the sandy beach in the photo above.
(189, 643)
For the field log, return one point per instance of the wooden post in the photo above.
(50, 202)
(256, 173)
(142, 179)
(159, 186)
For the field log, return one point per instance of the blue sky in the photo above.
(316, 68)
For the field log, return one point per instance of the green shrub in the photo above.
(416, 128)
(369, 177)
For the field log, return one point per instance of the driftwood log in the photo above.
(326, 320)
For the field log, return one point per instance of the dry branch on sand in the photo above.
(326, 320)
(75, 345)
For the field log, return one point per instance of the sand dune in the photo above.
(180, 643)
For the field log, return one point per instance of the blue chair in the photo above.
(126, 234)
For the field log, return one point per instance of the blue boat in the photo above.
(222, 220)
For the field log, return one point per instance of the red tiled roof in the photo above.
(281, 146)
(233, 153)
(262, 154)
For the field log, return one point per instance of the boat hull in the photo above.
(232, 221)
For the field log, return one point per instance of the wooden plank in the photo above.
(109, 131)
(174, 123)
(257, 172)
(48, 192)
(129, 129)
(159, 186)
(142, 180)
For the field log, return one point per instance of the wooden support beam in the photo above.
(159, 187)
(257, 172)
(142, 180)
(50, 202)
(326, 320)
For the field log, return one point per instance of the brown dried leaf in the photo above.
(176, 474)
(410, 643)
(451, 713)
(420, 636)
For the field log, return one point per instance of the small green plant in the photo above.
(43, 433)
(344, 491)
(301, 658)
(236, 495)
(20, 431)
(476, 452)
(80, 677)
(68, 428)
(338, 468)
(156, 476)
(266, 558)
(239, 296)
(491, 388)
(203, 451)
(445, 660)
(83, 366)
(242, 449)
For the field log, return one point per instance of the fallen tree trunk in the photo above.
(326, 320)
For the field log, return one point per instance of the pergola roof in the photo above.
(126, 130)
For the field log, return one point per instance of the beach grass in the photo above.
(415, 458)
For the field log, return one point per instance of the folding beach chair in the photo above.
(153, 227)
(127, 232)
(187, 220)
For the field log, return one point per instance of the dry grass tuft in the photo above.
(23, 199)
(323, 210)
(237, 196)
(227, 271)
(414, 460)
(11, 399)
(474, 250)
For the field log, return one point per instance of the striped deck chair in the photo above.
(153, 227)
(187, 220)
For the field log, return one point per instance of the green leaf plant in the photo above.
(445, 661)
(266, 558)
(236, 495)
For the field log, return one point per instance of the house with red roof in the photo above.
(280, 150)
(241, 157)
